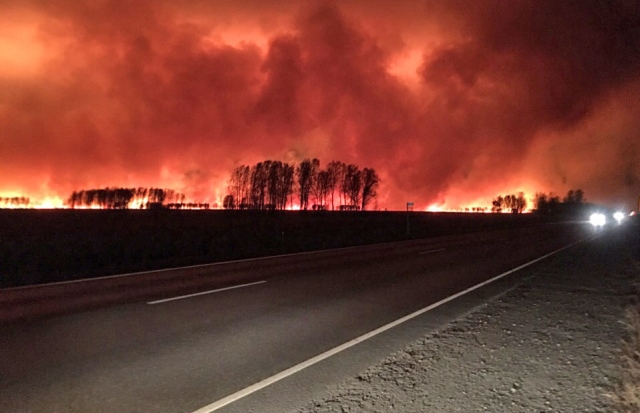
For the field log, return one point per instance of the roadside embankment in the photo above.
(45, 246)
(551, 344)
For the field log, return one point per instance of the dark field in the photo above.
(41, 246)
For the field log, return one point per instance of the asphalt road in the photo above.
(181, 355)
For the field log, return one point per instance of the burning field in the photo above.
(451, 103)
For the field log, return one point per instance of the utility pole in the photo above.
(409, 207)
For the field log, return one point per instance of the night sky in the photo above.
(452, 102)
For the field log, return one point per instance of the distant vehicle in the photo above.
(619, 216)
(597, 219)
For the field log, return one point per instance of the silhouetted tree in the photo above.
(273, 179)
(122, 198)
(271, 185)
(541, 202)
(306, 173)
(508, 202)
(353, 184)
(239, 185)
(259, 180)
(573, 202)
(554, 202)
(370, 182)
(336, 171)
(285, 185)
(514, 203)
(548, 203)
(228, 202)
(497, 204)
(15, 202)
(574, 197)
(321, 188)
(520, 203)
(74, 199)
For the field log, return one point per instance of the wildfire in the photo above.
(444, 208)
(50, 203)
(55, 202)
(18, 202)
(480, 205)
(13, 201)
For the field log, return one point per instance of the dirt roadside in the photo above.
(552, 344)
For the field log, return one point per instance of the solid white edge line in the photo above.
(180, 297)
(292, 370)
(430, 251)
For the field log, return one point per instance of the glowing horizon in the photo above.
(452, 104)
(63, 203)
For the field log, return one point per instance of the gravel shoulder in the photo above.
(552, 344)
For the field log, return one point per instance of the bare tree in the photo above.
(271, 185)
(370, 183)
(274, 174)
(353, 184)
(73, 200)
(521, 202)
(285, 184)
(228, 202)
(497, 204)
(306, 173)
(321, 189)
(259, 180)
(540, 202)
(239, 185)
(574, 197)
(336, 171)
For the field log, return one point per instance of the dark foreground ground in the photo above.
(552, 344)
(194, 350)
(40, 246)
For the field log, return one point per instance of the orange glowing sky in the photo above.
(452, 103)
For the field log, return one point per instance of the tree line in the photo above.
(543, 203)
(125, 198)
(552, 204)
(15, 201)
(513, 203)
(271, 185)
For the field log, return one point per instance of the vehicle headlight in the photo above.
(597, 219)
(619, 216)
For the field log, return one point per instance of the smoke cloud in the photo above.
(451, 102)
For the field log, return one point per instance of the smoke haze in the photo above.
(451, 102)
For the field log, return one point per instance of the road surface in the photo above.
(186, 353)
